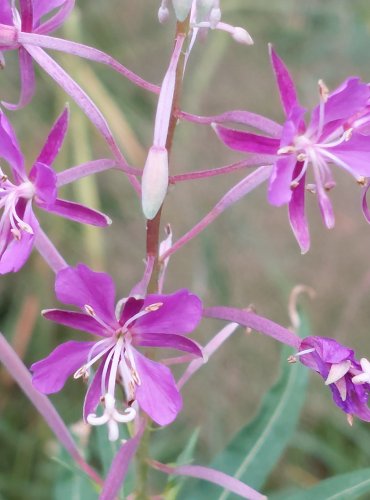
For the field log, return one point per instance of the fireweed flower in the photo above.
(329, 138)
(18, 224)
(348, 379)
(155, 321)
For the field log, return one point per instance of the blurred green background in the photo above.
(248, 256)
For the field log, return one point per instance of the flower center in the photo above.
(119, 364)
(10, 196)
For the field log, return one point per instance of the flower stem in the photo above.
(152, 250)
(153, 226)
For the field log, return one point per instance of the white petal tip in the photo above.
(241, 35)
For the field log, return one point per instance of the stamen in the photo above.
(146, 310)
(362, 181)
(91, 312)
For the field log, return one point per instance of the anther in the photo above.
(323, 90)
(362, 181)
(292, 359)
(286, 150)
(154, 307)
(81, 372)
(90, 311)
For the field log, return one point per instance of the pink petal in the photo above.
(27, 78)
(80, 286)
(246, 141)
(157, 395)
(326, 208)
(279, 191)
(355, 153)
(55, 139)
(44, 180)
(93, 394)
(50, 374)
(43, 7)
(131, 307)
(9, 148)
(297, 216)
(18, 251)
(288, 94)
(6, 15)
(55, 21)
(168, 341)
(179, 313)
(76, 212)
(76, 320)
(344, 102)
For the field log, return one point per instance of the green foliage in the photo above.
(346, 486)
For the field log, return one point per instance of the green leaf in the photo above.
(255, 449)
(342, 487)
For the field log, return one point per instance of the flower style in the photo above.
(18, 224)
(331, 137)
(154, 321)
(348, 379)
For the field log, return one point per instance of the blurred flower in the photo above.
(348, 379)
(156, 321)
(329, 138)
(18, 224)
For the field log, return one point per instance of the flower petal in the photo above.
(43, 7)
(56, 20)
(80, 286)
(168, 341)
(279, 190)
(93, 394)
(44, 180)
(288, 94)
(6, 15)
(131, 307)
(51, 373)
(246, 141)
(55, 139)
(179, 313)
(157, 395)
(297, 216)
(76, 212)
(17, 251)
(9, 148)
(72, 319)
(344, 102)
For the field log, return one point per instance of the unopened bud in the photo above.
(241, 35)
(163, 14)
(154, 181)
(182, 8)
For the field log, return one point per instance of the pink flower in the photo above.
(155, 321)
(329, 138)
(348, 379)
(18, 224)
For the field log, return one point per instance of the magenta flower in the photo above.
(18, 224)
(329, 138)
(348, 379)
(156, 321)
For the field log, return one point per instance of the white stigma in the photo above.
(111, 416)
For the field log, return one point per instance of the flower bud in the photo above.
(154, 181)
(182, 8)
